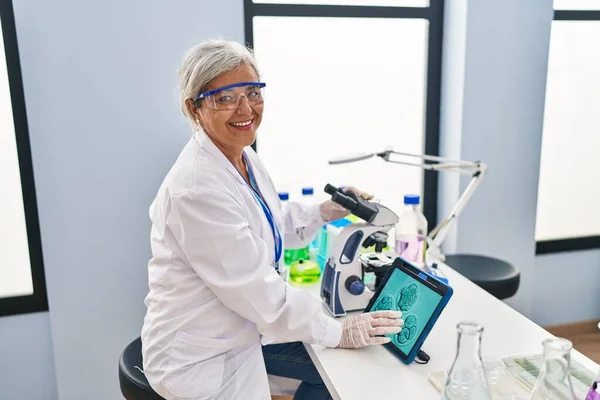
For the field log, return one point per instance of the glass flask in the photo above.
(554, 382)
(467, 379)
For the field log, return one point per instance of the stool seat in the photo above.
(495, 276)
(132, 380)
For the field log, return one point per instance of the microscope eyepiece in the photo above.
(355, 204)
(330, 189)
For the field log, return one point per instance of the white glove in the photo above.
(366, 329)
(330, 211)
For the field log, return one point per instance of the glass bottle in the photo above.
(288, 254)
(594, 393)
(554, 382)
(410, 231)
(308, 198)
(467, 379)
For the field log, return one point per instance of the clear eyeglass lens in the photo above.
(230, 99)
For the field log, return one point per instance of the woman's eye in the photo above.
(224, 99)
(254, 94)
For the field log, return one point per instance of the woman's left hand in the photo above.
(330, 211)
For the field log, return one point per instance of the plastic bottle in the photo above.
(594, 393)
(410, 231)
(308, 198)
(288, 254)
(308, 195)
(303, 268)
(293, 255)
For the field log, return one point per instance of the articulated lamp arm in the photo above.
(476, 169)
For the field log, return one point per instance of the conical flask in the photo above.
(554, 382)
(467, 379)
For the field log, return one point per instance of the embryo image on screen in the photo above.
(15, 268)
(416, 302)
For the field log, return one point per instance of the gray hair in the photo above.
(205, 62)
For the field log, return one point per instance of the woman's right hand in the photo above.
(367, 329)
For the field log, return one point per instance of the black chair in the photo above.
(495, 276)
(132, 380)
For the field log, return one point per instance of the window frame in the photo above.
(37, 301)
(434, 13)
(580, 242)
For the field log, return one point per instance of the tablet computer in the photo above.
(419, 296)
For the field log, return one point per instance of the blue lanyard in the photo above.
(276, 235)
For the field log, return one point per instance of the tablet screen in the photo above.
(415, 299)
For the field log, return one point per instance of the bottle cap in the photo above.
(307, 191)
(284, 195)
(412, 199)
(340, 223)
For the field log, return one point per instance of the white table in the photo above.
(375, 373)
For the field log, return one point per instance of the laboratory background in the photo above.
(90, 125)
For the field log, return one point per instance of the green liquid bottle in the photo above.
(303, 266)
(290, 256)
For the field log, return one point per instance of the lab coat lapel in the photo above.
(262, 179)
(207, 144)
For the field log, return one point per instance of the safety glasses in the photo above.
(228, 97)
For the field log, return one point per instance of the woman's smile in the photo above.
(242, 125)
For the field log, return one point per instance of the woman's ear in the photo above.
(194, 111)
(189, 103)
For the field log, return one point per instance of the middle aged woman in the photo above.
(219, 316)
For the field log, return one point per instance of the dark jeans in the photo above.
(291, 360)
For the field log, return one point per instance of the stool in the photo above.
(132, 380)
(495, 276)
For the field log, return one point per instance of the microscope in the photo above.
(342, 286)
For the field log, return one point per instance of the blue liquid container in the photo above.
(328, 235)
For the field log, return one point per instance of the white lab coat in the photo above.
(214, 294)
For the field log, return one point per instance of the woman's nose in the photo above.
(244, 106)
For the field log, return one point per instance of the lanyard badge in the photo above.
(276, 234)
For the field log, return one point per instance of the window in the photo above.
(22, 284)
(568, 216)
(344, 78)
(403, 3)
(577, 4)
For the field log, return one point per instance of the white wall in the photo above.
(451, 110)
(498, 74)
(568, 287)
(105, 127)
(494, 72)
(26, 359)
